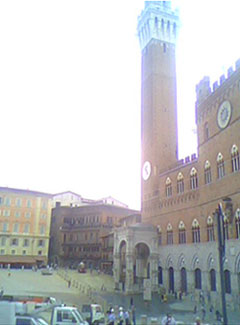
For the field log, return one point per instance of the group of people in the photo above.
(122, 318)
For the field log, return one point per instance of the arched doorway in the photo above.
(160, 275)
(122, 251)
(213, 280)
(183, 280)
(198, 279)
(142, 263)
(171, 279)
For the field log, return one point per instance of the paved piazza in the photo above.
(86, 288)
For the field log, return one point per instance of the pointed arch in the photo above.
(210, 229)
(169, 234)
(180, 183)
(168, 187)
(195, 231)
(220, 166)
(235, 158)
(193, 179)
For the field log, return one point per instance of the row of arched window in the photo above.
(195, 232)
(197, 279)
(235, 165)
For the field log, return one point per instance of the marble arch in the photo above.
(141, 256)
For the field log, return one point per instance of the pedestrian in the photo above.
(197, 321)
(195, 309)
(133, 311)
(180, 295)
(120, 316)
(1, 292)
(131, 301)
(218, 315)
(69, 283)
(9, 273)
(126, 317)
(111, 317)
(168, 320)
(203, 310)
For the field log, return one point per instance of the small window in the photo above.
(29, 203)
(207, 173)
(168, 187)
(26, 242)
(193, 179)
(206, 131)
(180, 183)
(195, 231)
(14, 242)
(235, 158)
(220, 166)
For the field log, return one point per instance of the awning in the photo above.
(19, 259)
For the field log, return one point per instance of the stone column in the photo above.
(116, 270)
(205, 282)
(154, 271)
(129, 273)
(177, 280)
(190, 281)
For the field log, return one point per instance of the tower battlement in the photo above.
(157, 21)
(204, 89)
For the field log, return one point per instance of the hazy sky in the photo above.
(70, 90)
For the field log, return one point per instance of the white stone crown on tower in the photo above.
(157, 21)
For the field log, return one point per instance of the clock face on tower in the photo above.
(224, 114)
(146, 170)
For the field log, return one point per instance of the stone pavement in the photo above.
(93, 287)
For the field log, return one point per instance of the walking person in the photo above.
(126, 317)
(168, 320)
(197, 321)
(111, 317)
(120, 316)
(203, 310)
(133, 311)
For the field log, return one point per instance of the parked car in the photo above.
(93, 314)
(47, 271)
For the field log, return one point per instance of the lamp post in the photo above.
(221, 248)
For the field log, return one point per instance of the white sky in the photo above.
(70, 90)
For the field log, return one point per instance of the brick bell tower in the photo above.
(157, 31)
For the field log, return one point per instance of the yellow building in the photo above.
(24, 227)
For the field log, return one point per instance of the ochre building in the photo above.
(176, 244)
(24, 227)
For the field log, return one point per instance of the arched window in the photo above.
(195, 231)
(213, 280)
(220, 166)
(174, 29)
(207, 172)
(180, 183)
(237, 223)
(156, 23)
(162, 25)
(235, 158)
(210, 229)
(193, 179)
(168, 27)
(182, 233)
(169, 234)
(227, 278)
(168, 187)
(159, 230)
(206, 131)
(198, 279)
(225, 228)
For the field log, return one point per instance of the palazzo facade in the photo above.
(176, 244)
